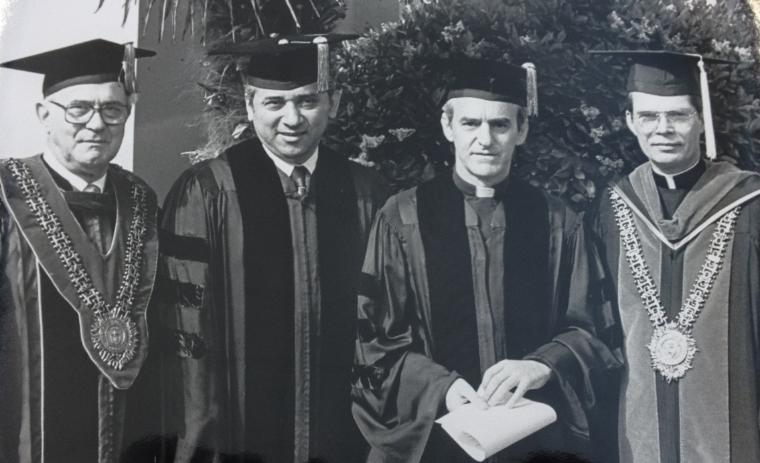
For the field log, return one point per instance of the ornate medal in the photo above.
(113, 333)
(115, 339)
(672, 348)
(672, 351)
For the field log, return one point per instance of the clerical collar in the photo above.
(77, 182)
(683, 181)
(480, 191)
(287, 168)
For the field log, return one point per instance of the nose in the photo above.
(292, 115)
(484, 135)
(96, 122)
(663, 124)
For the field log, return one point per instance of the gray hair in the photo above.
(522, 113)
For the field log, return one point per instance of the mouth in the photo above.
(291, 135)
(666, 146)
(95, 142)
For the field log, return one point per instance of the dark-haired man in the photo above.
(262, 247)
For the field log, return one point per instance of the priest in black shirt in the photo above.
(477, 288)
(679, 237)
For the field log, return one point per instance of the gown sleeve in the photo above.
(398, 391)
(187, 301)
(583, 350)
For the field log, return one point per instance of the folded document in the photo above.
(483, 433)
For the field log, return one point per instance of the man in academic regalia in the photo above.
(476, 284)
(680, 240)
(78, 258)
(263, 245)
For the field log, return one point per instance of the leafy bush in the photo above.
(391, 99)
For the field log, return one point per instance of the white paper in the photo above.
(482, 433)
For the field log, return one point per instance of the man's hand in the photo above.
(520, 375)
(460, 392)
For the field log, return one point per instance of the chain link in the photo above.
(72, 261)
(642, 277)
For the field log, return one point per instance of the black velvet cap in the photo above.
(661, 72)
(285, 62)
(484, 79)
(91, 62)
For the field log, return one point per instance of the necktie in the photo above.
(300, 175)
(91, 188)
(96, 223)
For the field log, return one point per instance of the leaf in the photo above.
(240, 129)
(147, 16)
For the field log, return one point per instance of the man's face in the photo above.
(485, 134)
(672, 142)
(290, 122)
(84, 149)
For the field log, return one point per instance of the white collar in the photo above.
(286, 167)
(77, 182)
(670, 179)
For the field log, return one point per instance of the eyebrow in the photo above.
(490, 121)
(293, 98)
(92, 103)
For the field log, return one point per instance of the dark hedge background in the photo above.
(390, 111)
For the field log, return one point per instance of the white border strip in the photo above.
(679, 244)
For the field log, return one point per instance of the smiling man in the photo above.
(263, 245)
(475, 288)
(680, 236)
(78, 258)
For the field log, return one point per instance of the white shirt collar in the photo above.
(484, 192)
(287, 168)
(77, 182)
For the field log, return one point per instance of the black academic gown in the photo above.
(260, 351)
(427, 317)
(711, 414)
(61, 402)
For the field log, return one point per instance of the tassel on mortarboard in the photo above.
(532, 89)
(706, 111)
(128, 69)
(323, 63)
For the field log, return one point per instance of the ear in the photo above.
(523, 135)
(630, 124)
(249, 106)
(42, 112)
(448, 132)
(335, 103)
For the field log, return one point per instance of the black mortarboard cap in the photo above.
(286, 62)
(94, 61)
(662, 72)
(670, 73)
(491, 80)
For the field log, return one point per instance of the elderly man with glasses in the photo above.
(78, 257)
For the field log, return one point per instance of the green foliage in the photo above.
(391, 99)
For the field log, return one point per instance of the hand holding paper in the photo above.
(460, 392)
(520, 375)
(483, 433)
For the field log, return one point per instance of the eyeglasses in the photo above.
(649, 121)
(81, 112)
